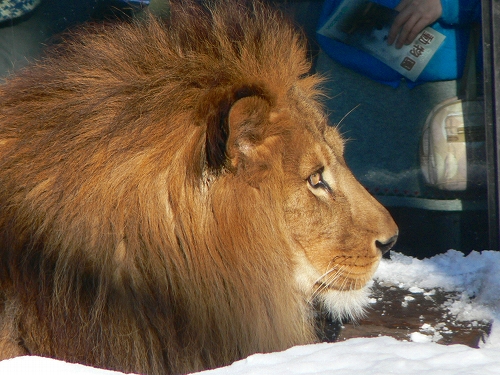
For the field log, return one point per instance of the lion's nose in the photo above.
(385, 246)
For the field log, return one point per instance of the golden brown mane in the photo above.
(142, 223)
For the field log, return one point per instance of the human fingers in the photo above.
(412, 34)
(408, 29)
(406, 10)
(397, 25)
(415, 23)
(413, 17)
(403, 4)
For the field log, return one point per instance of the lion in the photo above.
(172, 197)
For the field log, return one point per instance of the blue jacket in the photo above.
(447, 63)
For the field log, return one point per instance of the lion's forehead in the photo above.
(313, 119)
(315, 147)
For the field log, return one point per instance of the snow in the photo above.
(475, 277)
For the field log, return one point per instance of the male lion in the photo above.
(172, 198)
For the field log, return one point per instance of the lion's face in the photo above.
(338, 230)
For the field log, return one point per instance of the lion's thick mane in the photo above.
(142, 258)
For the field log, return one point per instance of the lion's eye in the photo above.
(316, 181)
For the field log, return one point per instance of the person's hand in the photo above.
(413, 17)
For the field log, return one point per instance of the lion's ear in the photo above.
(234, 122)
(246, 119)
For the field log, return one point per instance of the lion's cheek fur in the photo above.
(339, 304)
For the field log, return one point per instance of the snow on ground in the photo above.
(476, 277)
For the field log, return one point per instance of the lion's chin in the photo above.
(345, 304)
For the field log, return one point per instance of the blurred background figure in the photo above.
(27, 26)
(20, 33)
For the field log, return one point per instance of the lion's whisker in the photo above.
(331, 276)
(330, 269)
(347, 114)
